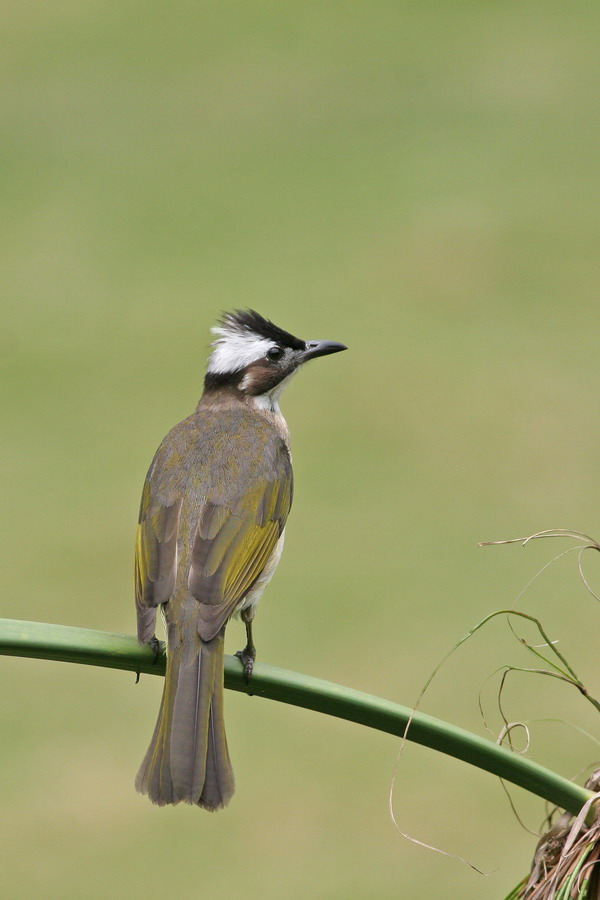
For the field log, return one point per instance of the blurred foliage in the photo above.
(417, 180)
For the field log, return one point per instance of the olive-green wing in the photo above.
(233, 544)
(155, 560)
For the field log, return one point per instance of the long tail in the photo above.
(187, 759)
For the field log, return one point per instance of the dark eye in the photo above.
(274, 353)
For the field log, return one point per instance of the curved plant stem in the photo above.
(119, 651)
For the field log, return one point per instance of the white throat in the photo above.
(270, 401)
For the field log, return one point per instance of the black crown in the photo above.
(249, 320)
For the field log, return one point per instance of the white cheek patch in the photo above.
(234, 350)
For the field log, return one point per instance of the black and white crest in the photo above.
(244, 336)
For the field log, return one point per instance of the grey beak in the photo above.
(321, 348)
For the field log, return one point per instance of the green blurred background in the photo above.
(417, 180)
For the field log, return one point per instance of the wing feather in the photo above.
(231, 548)
(155, 561)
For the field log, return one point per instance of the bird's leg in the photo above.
(248, 654)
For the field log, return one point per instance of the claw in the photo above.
(247, 657)
(157, 647)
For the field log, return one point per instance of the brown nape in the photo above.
(219, 397)
(214, 381)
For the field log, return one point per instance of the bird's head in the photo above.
(255, 357)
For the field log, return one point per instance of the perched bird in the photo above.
(210, 535)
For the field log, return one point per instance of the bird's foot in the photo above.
(247, 657)
(157, 647)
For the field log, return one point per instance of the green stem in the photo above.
(119, 651)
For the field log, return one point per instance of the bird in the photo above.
(210, 535)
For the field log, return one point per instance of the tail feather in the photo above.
(154, 777)
(218, 779)
(188, 759)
